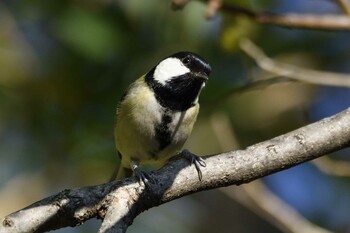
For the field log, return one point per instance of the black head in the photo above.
(178, 79)
(194, 63)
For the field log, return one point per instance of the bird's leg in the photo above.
(194, 159)
(142, 176)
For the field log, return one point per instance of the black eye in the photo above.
(186, 60)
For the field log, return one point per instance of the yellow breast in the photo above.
(137, 118)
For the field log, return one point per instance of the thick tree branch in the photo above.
(126, 199)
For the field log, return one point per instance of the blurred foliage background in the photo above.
(64, 66)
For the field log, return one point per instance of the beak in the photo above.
(201, 76)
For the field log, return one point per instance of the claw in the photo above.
(196, 160)
(142, 176)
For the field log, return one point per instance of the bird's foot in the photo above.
(142, 176)
(196, 160)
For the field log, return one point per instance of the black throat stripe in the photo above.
(163, 134)
(178, 94)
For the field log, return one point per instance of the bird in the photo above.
(157, 113)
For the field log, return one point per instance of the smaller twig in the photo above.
(344, 6)
(307, 21)
(293, 72)
(333, 167)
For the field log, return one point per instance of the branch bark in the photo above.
(119, 202)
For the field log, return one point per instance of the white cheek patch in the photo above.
(168, 68)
